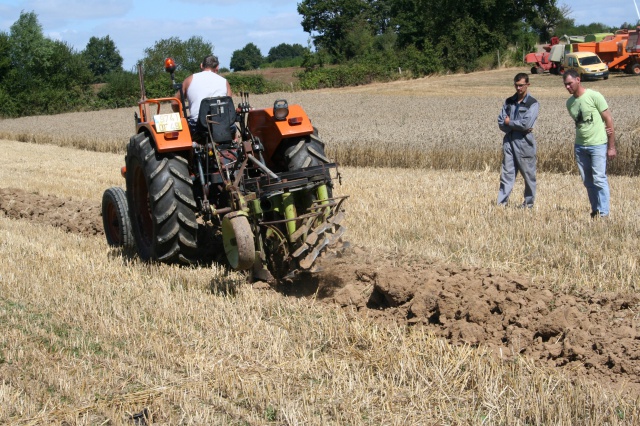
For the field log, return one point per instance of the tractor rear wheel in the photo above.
(635, 69)
(115, 219)
(161, 203)
(305, 152)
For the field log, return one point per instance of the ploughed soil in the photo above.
(590, 334)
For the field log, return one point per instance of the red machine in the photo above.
(549, 60)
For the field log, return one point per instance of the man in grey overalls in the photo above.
(516, 120)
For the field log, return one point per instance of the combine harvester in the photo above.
(621, 51)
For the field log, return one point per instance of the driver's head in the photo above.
(210, 62)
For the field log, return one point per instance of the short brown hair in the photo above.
(570, 73)
(520, 76)
(210, 61)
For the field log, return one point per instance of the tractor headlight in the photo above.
(280, 109)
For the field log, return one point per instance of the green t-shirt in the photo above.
(585, 111)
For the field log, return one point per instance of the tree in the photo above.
(5, 61)
(29, 51)
(546, 18)
(247, 58)
(45, 76)
(188, 56)
(329, 21)
(102, 57)
(285, 51)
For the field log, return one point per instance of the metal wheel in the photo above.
(115, 219)
(277, 252)
(161, 203)
(239, 245)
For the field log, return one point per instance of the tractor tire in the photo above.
(116, 221)
(534, 70)
(305, 152)
(634, 69)
(162, 206)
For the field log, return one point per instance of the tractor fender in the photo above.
(271, 132)
(179, 140)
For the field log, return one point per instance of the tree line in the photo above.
(427, 36)
(39, 75)
(354, 42)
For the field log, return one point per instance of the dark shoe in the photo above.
(597, 215)
(525, 206)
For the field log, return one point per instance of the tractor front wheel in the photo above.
(162, 207)
(115, 219)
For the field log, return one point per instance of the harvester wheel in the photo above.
(635, 69)
(534, 70)
(305, 152)
(115, 219)
(238, 241)
(161, 203)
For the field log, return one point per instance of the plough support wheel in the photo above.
(237, 238)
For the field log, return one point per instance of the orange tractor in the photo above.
(257, 181)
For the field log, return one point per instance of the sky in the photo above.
(228, 25)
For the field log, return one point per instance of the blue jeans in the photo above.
(592, 164)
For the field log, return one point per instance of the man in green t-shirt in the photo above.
(595, 140)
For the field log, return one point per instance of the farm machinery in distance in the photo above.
(257, 181)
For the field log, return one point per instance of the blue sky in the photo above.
(227, 24)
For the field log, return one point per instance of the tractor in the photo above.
(254, 184)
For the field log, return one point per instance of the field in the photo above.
(446, 310)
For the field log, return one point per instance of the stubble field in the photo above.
(89, 336)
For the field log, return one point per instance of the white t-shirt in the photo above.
(205, 84)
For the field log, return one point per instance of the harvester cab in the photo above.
(256, 180)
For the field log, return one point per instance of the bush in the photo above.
(253, 83)
(284, 63)
(355, 74)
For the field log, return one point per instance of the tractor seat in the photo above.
(217, 116)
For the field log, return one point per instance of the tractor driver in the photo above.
(204, 84)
